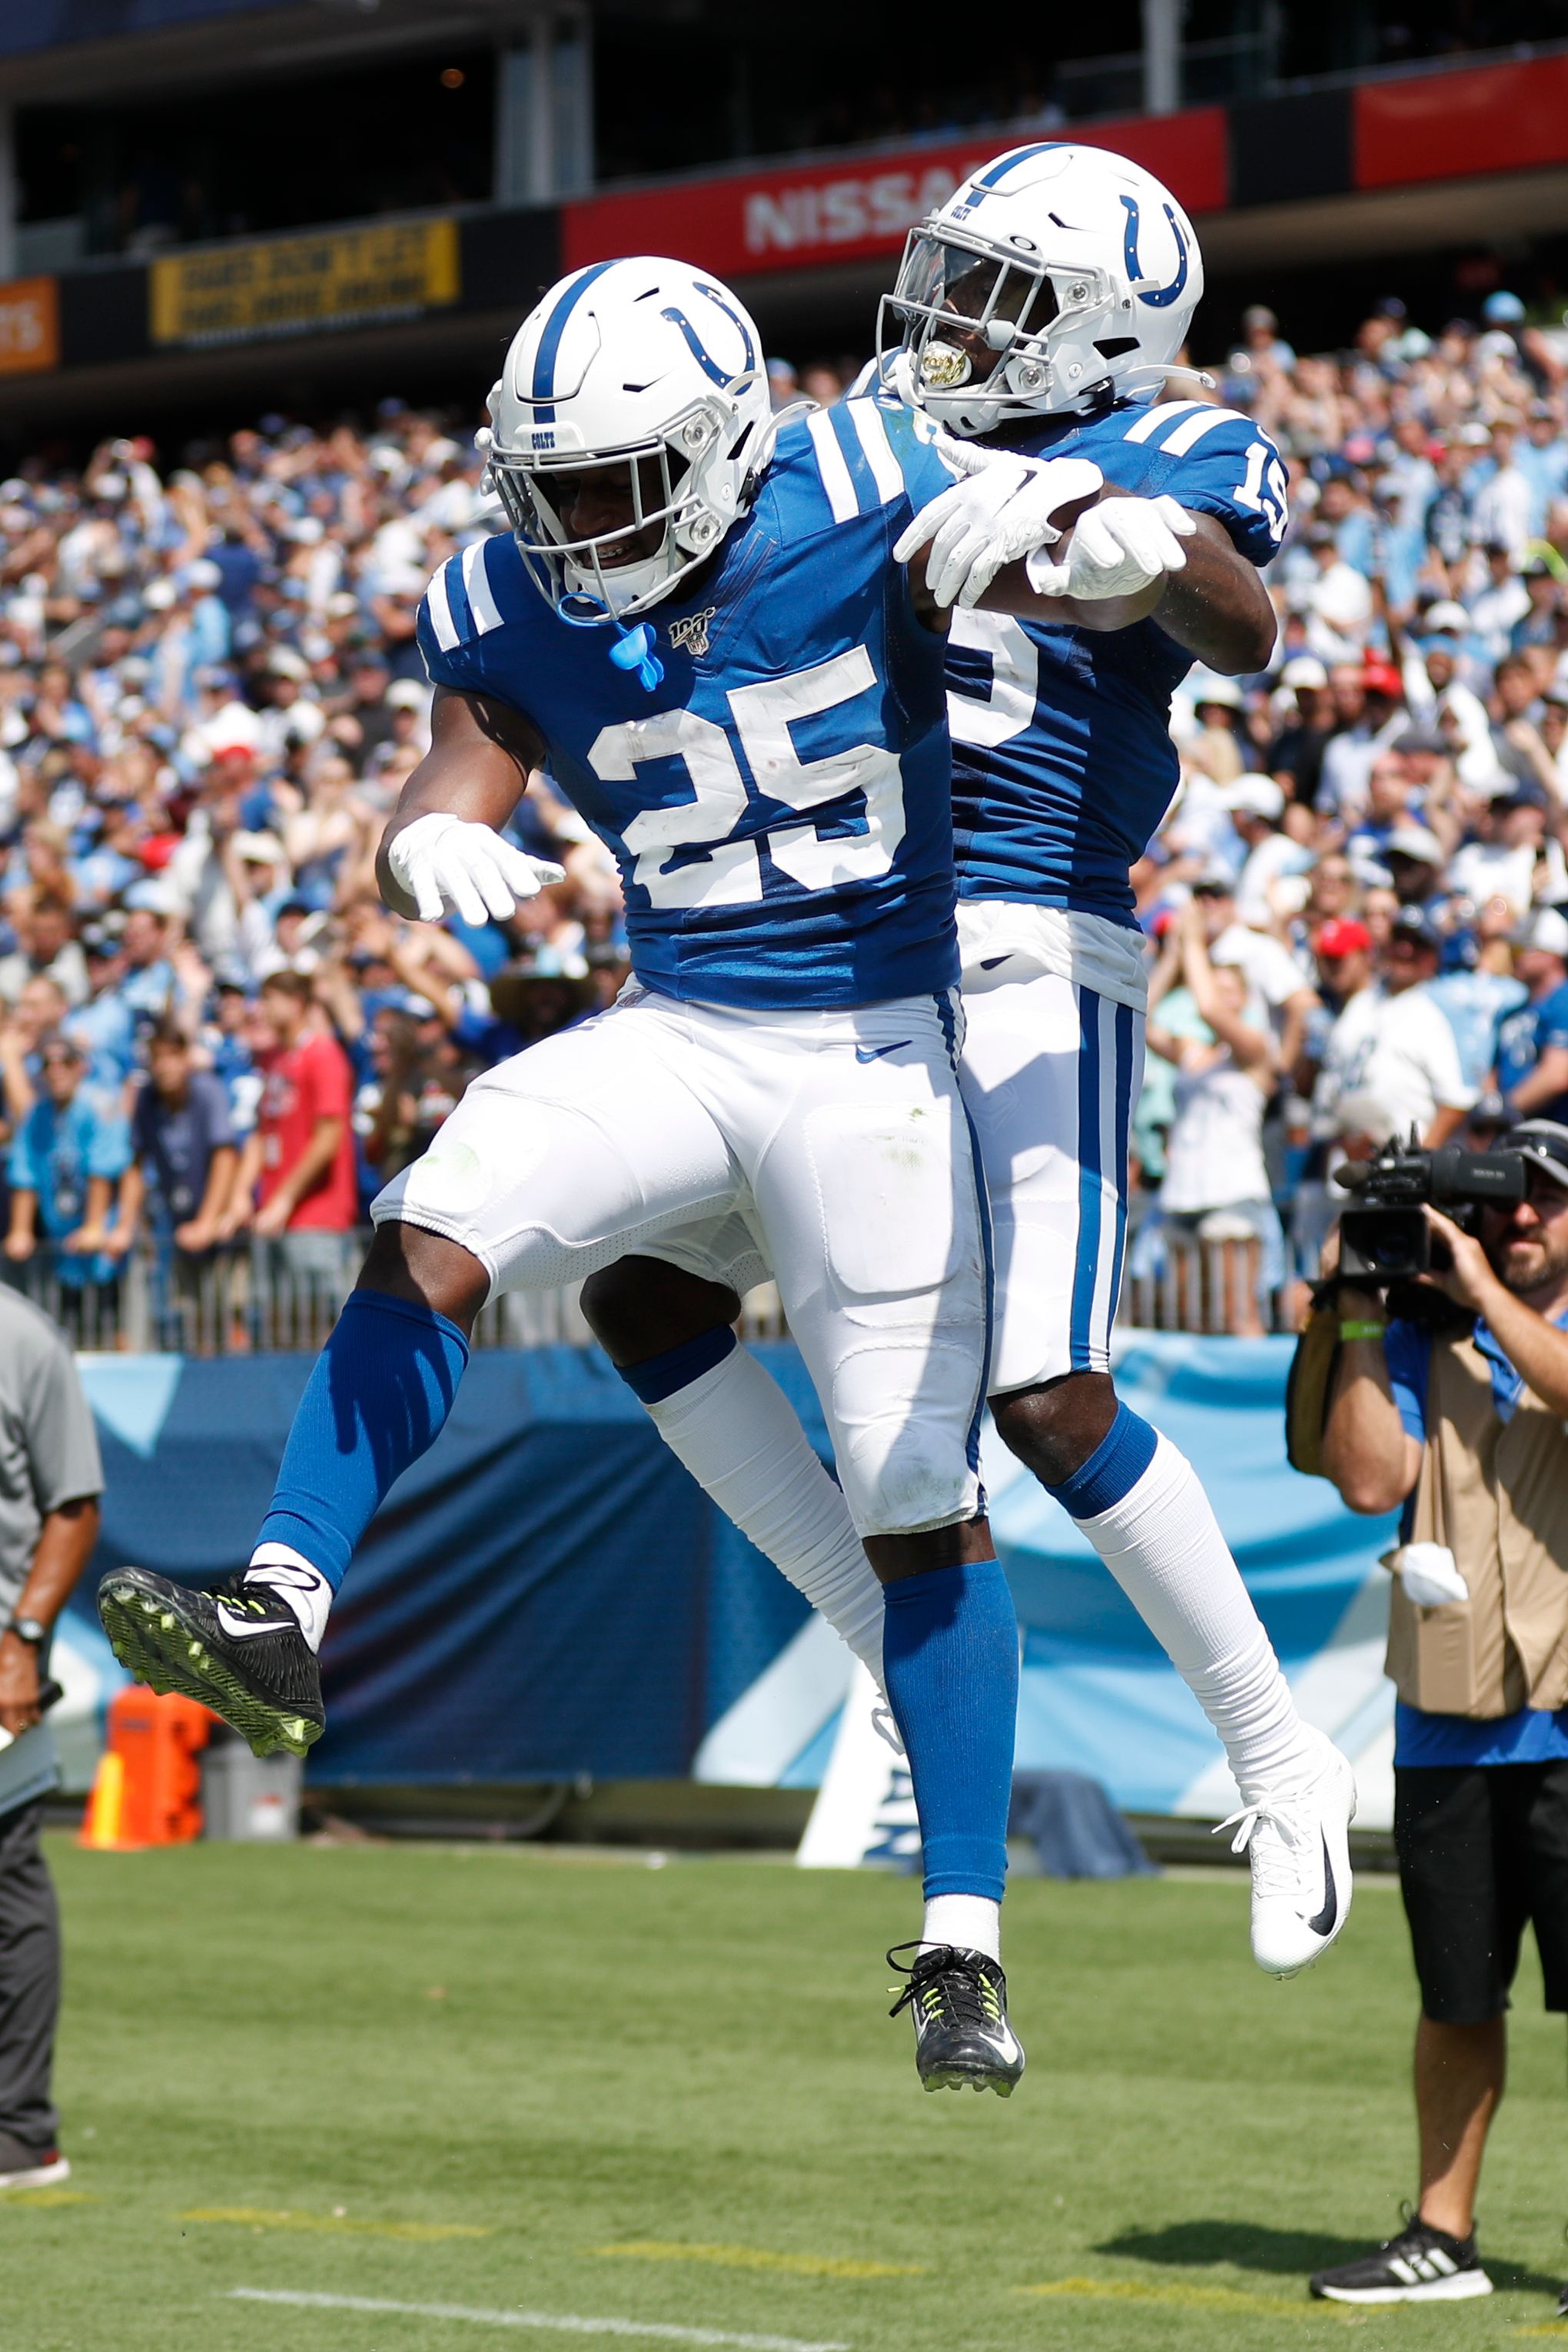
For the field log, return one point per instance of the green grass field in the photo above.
(574, 2085)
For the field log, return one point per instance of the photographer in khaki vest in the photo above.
(1465, 1427)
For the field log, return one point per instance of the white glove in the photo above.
(443, 862)
(1118, 548)
(1430, 1574)
(1001, 511)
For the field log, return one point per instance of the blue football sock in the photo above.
(377, 1398)
(951, 1660)
(1112, 1471)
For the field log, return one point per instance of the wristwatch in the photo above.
(29, 1630)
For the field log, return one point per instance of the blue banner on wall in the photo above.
(548, 1594)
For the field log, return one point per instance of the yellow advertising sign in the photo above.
(301, 285)
(30, 325)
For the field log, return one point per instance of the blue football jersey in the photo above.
(1063, 765)
(1522, 1036)
(779, 805)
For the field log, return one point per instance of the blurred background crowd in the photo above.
(216, 1045)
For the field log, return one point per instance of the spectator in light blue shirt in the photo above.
(1542, 458)
(68, 1166)
(105, 1025)
(1479, 992)
(149, 986)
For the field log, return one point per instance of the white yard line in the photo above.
(564, 2322)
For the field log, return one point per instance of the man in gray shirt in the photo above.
(51, 1479)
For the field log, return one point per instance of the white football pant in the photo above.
(1052, 1063)
(831, 1145)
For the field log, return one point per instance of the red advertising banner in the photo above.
(1446, 126)
(850, 207)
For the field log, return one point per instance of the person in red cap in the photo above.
(1343, 953)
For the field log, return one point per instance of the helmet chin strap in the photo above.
(615, 587)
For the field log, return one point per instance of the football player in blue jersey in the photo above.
(1035, 316)
(697, 620)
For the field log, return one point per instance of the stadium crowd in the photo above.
(215, 1041)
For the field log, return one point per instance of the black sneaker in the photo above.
(236, 1648)
(1421, 2265)
(30, 2167)
(959, 2001)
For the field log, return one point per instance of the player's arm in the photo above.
(1216, 607)
(1049, 540)
(982, 535)
(1010, 591)
(442, 845)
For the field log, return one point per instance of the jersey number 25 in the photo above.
(729, 871)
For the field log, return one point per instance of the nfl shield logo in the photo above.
(692, 632)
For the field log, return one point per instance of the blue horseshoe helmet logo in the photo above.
(710, 367)
(1163, 296)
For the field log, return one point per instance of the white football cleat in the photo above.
(1299, 1846)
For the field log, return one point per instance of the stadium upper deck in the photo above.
(355, 186)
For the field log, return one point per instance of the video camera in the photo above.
(1384, 1237)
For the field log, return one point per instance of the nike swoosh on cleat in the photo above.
(245, 1629)
(875, 1053)
(1322, 1923)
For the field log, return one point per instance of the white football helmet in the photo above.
(1056, 280)
(644, 363)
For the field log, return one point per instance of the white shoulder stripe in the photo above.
(1186, 435)
(1165, 412)
(476, 580)
(835, 472)
(440, 608)
(885, 471)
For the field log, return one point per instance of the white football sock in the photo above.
(301, 1588)
(1162, 1544)
(973, 1922)
(741, 1438)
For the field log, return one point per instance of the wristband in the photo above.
(1354, 1328)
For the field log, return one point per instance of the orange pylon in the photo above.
(103, 1823)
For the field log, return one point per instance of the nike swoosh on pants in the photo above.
(1322, 1923)
(875, 1053)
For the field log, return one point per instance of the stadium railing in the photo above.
(1205, 1289)
(252, 1298)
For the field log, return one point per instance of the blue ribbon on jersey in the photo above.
(631, 649)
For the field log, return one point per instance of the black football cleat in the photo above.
(959, 2002)
(237, 1648)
